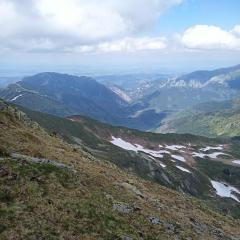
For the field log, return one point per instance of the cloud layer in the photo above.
(125, 45)
(96, 26)
(65, 24)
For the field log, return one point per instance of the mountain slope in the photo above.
(194, 88)
(172, 160)
(64, 95)
(83, 198)
(209, 119)
(204, 76)
(83, 95)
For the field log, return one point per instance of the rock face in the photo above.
(20, 157)
(133, 189)
(154, 220)
(122, 208)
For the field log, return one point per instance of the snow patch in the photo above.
(183, 169)
(179, 158)
(211, 155)
(123, 144)
(200, 155)
(211, 148)
(164, 151)
(120, 93)
(174, 147)
(136, 148)
(225, 190)
(236, 161)
(162, 165)
(216, 154)
(15, 98)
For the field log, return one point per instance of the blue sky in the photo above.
(223, 13)
(148, 35)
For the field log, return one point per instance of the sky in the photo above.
(118, 35)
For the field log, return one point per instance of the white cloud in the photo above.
(60, 24)
(236, 31)
(125, 45)
(88, 26)
(211, 37)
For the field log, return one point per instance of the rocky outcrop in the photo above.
(20, 157)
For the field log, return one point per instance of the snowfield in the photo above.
(136, 148)
(225, 190)
(123, 144)
(172, 151)
(222, 189)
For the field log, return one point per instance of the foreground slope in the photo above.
(83, 198)
(194, 165)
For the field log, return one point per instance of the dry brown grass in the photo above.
(87, 189)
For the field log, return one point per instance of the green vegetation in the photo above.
(34, 198)
(224, 173)
(94, 200)
(220, 171)
(212, 119)
(94, 137)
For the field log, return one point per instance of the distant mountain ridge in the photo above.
(204, 78)
(71, 94)
(143, 107)
(191, 89)
(63, 95)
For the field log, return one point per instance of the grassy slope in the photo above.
(210, 119)
(92, 134)
(45, 202)
(69, 128)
